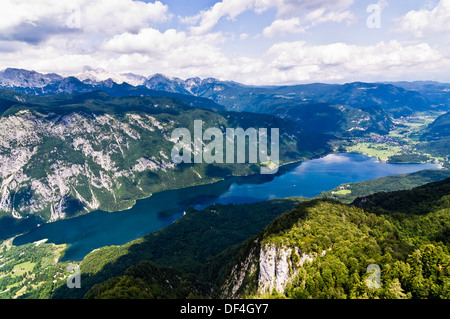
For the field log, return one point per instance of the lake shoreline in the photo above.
(306, 179)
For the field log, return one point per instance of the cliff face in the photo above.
(267, 268)
(52, 163)
(277, 267)
(298, 241)
(65, 155)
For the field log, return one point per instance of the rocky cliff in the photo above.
(64, 155)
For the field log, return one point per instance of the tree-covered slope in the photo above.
(326, 249)
(435, 139)
(186, 246)
(347, 193)
(440, 128)
(322, 249)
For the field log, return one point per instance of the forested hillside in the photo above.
(319, 249)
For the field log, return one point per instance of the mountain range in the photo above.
(73, 144)
(351, 109)
(395, 97)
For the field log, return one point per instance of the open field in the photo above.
(381, 151)
(402, 140)
(24, 268)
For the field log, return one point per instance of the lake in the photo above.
(306, 179)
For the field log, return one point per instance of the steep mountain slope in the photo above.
(319, 249)
(440, 128)
(435, 139)
(322, 249)
(63, 155)
(186, 245)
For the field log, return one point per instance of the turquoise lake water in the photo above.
(307, 179)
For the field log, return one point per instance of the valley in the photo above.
(90, 150)
(402, 144)
(101, 152)
(307, 180)
(291, 244)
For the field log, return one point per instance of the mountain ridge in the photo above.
(10, 78)
(345, 110)
(65, 155)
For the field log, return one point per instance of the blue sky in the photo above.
(249, 41)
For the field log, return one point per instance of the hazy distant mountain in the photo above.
(259, 99)
(351, 109)
(397, 98)
(91, 75)
(436, 92)
(18, 78)
(162, 83)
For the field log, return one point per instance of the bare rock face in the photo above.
(28, 79)
(277, 267)
(269, 268)
(48, 161)
(274, 269)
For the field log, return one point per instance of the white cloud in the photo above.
(284, 63)
(112, 16)
(243, 36)
(153, 41)
(171, 51)
(146, 41)
(36, 21)
(283, 26)
(205, 20)
(313, 18)
(132, 43)
(298, 61)
(321, 16)
(292, 7)
(427, 21)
